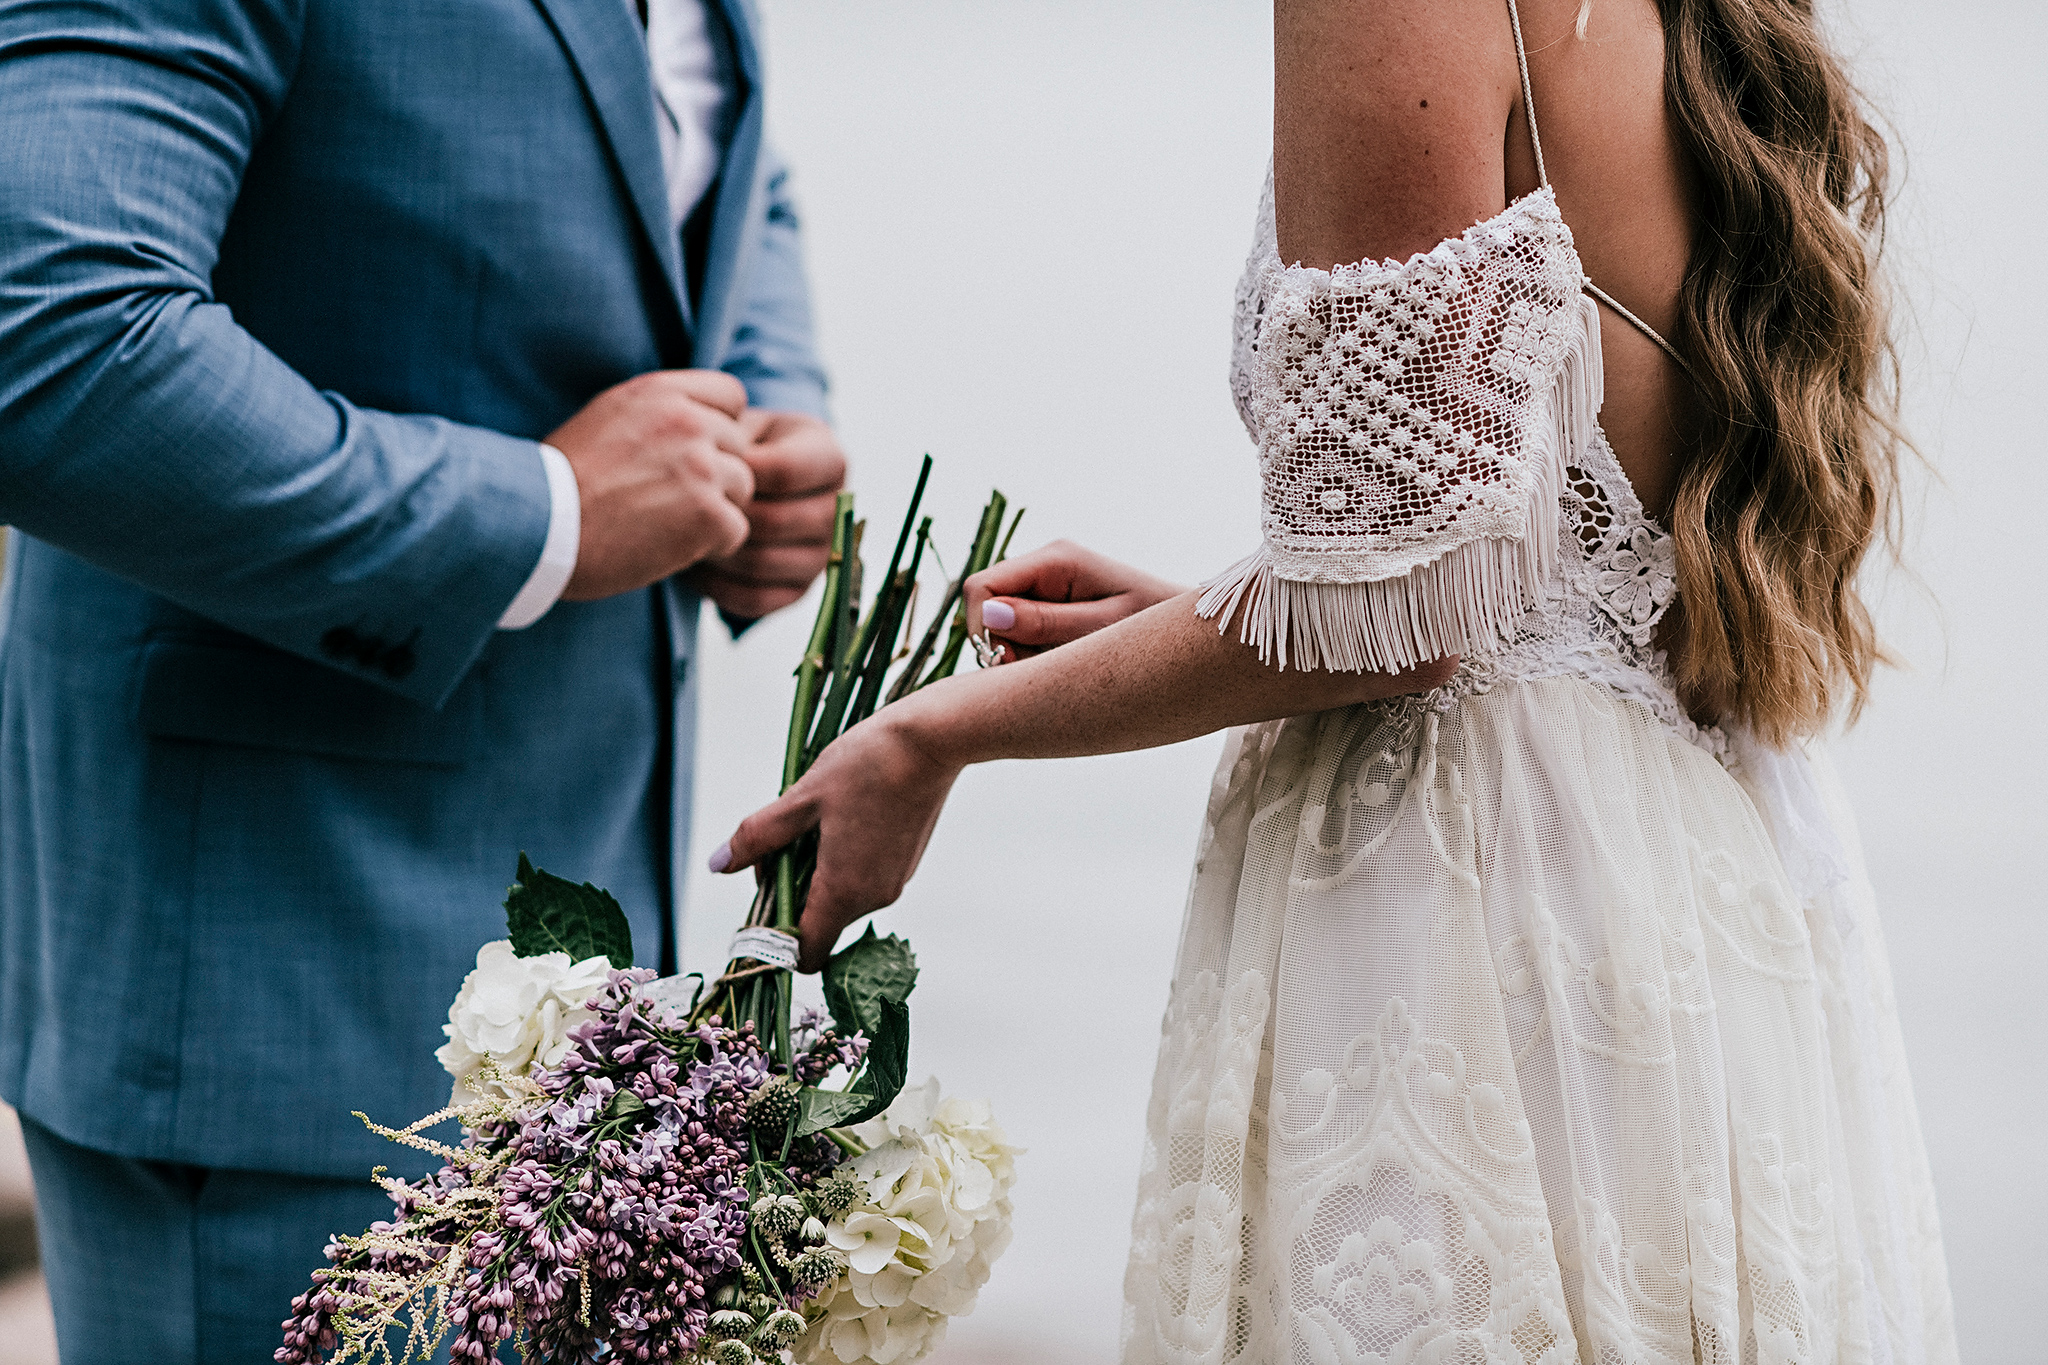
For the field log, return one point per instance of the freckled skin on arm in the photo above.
(1387, 124)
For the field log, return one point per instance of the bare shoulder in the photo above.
(1388, 123)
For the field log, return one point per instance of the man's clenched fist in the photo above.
(798, 469)
(661, 477)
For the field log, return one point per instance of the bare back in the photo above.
(1400, 123)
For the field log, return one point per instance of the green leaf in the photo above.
(547, 914)
(880, 1081)
(858, 976)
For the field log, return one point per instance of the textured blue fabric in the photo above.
(287, 290)
(179, 1265)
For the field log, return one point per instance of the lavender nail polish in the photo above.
(998, 615)
(721, 857)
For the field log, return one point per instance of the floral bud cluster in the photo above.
(789, 1222)
(819, 1050)
(598, 1206)
(932, 1214)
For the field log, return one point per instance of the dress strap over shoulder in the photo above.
(1543, 179)
(1528, 93)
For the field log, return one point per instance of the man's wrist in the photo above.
(557, 563)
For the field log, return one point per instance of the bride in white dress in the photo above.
(1531, 1004)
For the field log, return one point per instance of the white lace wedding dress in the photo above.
(1525, 1021)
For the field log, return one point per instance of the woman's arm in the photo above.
(1390, 123)
(1155, 678)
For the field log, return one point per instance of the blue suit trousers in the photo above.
(179, 1265)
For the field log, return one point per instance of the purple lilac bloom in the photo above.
(619, 1200)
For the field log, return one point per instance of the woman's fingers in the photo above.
(873, 796)
(1056, 595)
(1059, 572)
(1043, 624)
(775, 825)
(825, 918)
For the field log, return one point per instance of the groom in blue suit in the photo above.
(382, 385)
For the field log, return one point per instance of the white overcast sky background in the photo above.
(1024, 223)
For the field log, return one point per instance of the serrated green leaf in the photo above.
(869, 970)
(880, 1081)
(822, 1109)
(549, 914)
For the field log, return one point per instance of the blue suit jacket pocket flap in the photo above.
(226, 690)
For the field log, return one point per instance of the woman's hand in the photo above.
(873, 796)
(1055, 595)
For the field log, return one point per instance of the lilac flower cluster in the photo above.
(603, 1217)
(819, 1050)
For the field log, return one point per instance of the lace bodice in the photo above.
(1324, 370)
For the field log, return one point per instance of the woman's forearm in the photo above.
(874, 795)
(1158, 677)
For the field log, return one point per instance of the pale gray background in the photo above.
(1025, 220)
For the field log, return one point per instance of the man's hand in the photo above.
(798, 469)
(660, 476)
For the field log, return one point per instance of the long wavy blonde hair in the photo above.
(1784, 315)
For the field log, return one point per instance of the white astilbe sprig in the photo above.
(399, 1275)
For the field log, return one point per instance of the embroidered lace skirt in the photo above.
(1502, 1034)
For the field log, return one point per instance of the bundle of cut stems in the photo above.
(840, 683)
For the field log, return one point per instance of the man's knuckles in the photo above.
(806, 522)
(747, 600)
(798, 469)
(731, 526)
(713, 388)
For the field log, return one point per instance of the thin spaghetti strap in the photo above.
(1528, 93)
(1645, 328)
(1543, 178)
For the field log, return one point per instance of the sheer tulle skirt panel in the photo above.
(1500, 1034)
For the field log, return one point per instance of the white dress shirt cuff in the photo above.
(558, 552)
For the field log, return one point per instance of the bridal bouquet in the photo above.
(650, 1171)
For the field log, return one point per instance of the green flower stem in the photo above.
(902, 593)
(1003, 551)
(876, 638)
(843, 678)
(831, 608)
(978, 559)
(786, 907)
(907, 680)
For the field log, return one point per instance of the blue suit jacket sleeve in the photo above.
(773, 351)
(144, 431)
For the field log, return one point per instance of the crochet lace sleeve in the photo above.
(1412, 422)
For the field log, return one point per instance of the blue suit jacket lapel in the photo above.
(734, 215)
(610, 55)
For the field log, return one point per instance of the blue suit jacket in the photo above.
(288, 288)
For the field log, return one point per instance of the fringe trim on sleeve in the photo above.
(1466, 601)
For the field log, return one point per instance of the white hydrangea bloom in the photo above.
(935, 1213)
(517, 1011)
